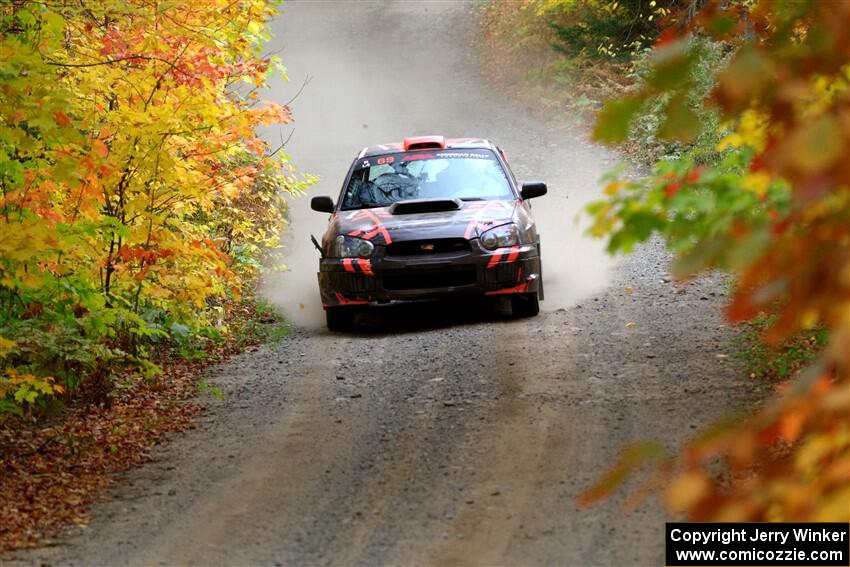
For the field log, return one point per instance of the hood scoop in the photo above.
(414, 206)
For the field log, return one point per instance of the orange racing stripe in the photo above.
(476, 221)
(521, 288)
(343, 301)
(379, 225)
(365, 267)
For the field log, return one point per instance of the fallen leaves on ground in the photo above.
(50, 474)
(53, 470)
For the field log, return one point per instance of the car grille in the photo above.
(348, 282)
(404, 280)
(502, 275)
(424, 247)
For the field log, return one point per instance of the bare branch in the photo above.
(107, 62)
(282, 143)
(306, 82)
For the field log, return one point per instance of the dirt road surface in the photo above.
(444, 433)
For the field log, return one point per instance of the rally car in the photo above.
(429, 217)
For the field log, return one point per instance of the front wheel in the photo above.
(339, 319)
(525, 304)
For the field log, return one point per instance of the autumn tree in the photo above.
(774, 211)
(136, 194)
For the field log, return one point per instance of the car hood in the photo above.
(382, 227)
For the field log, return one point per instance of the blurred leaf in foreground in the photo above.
(774, 211)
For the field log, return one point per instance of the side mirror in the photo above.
(322, 204)
(532, 189)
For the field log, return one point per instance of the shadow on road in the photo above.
(412, 317)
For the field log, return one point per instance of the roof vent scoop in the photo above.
(424, 143)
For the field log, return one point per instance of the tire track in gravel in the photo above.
(427, 431)
(263, 481)
(384, 488)
(527, 455)
(200, 532)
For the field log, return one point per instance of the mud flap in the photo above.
(540, 294)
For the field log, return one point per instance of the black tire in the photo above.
(525, 304)
(340, 319)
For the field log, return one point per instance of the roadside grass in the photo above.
(56, 463)
(777, 364)
(520, 49)
(263, 323)
(516, 49)
(251, 322)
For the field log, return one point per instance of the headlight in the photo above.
(351, 247)
(500, 237)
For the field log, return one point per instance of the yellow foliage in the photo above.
(137, 193)
(751, 130)
(546, 8)
(686, 490)
(758, 182)
(5, 346)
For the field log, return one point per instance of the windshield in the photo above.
(469, 175)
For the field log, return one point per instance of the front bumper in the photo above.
(352, 281)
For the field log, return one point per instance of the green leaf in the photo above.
(672, 68)
(720, 26)
(612, 123)
(9, 407)
(680, 121)
(179, 330)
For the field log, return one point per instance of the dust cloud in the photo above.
(371, 88)
(294, 288)
(575, 267)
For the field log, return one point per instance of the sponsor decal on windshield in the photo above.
(414, 156)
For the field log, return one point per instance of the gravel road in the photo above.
(439, 433)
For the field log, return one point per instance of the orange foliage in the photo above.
(786, 93)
